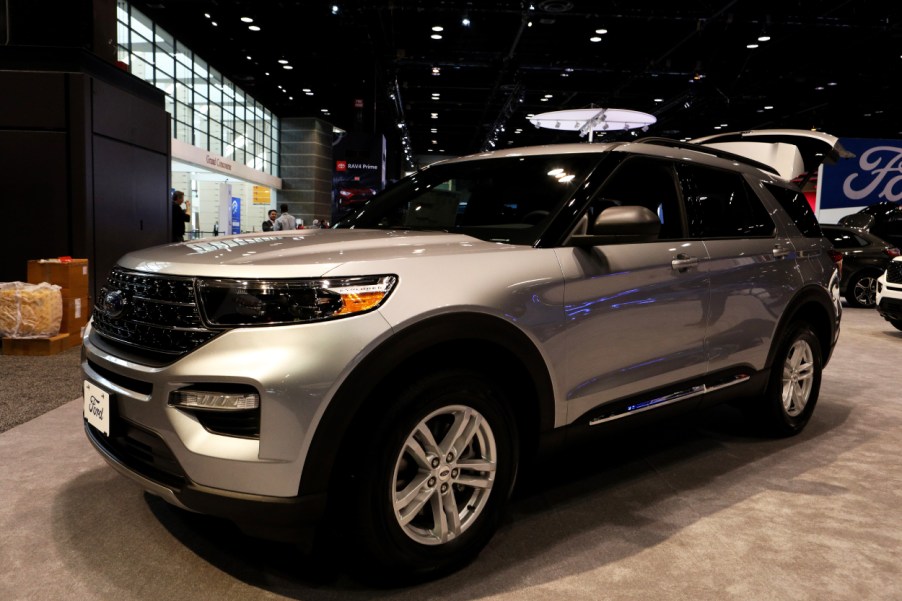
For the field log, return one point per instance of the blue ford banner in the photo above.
(236, 215)
(874, 175)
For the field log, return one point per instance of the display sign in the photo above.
(236, 215)
(262, 195)
(359, 171)
(874, 175)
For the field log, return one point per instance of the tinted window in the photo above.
(798, 208)
(720, 204)
(506, 199)
(648, 183)
(844, 238)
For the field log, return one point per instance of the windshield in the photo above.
(510, 199)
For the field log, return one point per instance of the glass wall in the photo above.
(208, 110)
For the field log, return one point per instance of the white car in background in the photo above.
(889, 293)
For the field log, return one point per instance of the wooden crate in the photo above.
(36, 346)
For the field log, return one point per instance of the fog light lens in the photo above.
(216, 401)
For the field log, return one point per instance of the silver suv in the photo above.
(380, 383)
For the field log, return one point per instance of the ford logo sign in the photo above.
(115, 303)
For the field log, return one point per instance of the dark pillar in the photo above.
(305, 160)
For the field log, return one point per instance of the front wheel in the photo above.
(862, 290)
(436, 473)
(794, 383)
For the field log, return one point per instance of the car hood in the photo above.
(792, 152)
(305, 253)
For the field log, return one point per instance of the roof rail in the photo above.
(723, 154)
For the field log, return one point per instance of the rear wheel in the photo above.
(862, 289)
(794, 383)
(432, 479)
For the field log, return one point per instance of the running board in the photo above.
(669, 399)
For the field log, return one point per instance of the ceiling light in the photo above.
(763, 38)
(768, 107)
(831, 83)
(324, 110)
(306, 90)
(438, 28)
(433, 130)
(289, 67)
(751, 46)
(253, 27)
(282, 61)
(334, 9)
(529, 24)
(465, 22)
(433, 115)
(436, 70)
(659, 100)
(266, 73)
(436, 36)
(247, 20)
(601, 31)
(595, 39)
(543, 99)
(249, 57)
(309, 93)
(215, 24)
(291, 98)
(207, 15)
(819, 88)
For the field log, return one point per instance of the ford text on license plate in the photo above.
(97, 407)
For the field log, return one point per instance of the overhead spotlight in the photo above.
(763, 38)
(247, 20)
(465, 22)
(254, 27)
(436, 36)
(595, 39)
(282, 61)
(436, 70)
(438, 28)
(207, 15)
(334, 9)
(601, 31)
(751, 46)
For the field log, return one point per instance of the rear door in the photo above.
(751, 265)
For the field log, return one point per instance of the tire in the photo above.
(794, 384)
(433, 479)
(861, 291)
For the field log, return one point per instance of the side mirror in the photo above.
(621, 225)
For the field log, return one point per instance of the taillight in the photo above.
(836, 257)
(892, 251)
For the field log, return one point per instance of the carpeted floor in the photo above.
(694, 510)
(31, 386)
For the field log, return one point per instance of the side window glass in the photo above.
(797, 206)
(720, 204)
(648, 183)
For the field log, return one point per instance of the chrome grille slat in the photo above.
(162, 315)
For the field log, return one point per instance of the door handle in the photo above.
(682, 262)
(781, 251)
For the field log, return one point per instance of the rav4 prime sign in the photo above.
(874, 175)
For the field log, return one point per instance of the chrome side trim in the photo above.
(669, 399)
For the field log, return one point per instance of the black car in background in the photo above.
(865, 257)
(883, 219)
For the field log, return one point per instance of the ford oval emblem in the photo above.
(115, 303)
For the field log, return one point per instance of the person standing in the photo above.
(285, 221)
(180, 216)
(270, 224)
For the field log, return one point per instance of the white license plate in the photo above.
(97, 407)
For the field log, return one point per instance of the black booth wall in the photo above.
(84, 157)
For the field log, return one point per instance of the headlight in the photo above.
(227, 303)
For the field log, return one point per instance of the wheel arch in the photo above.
(815, 306)
(484, 343)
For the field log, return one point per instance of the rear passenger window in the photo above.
(798, 208)
(720, 204)
(845, 239)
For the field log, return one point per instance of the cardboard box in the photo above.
(71, 275)
(76, 312)
(74, 339)
(35, 346)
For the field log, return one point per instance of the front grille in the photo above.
(894, 272)
(154, 314)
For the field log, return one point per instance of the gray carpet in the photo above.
(697, 510)
(31, 386)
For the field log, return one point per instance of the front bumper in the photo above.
(152, 466)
